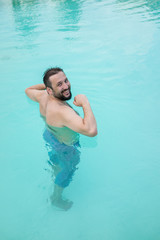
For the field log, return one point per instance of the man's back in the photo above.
(50, 109)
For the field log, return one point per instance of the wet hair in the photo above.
(48, 73)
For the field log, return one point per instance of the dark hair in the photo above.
(48, 73)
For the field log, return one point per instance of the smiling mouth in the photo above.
(66, 92)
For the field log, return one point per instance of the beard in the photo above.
(62, 97)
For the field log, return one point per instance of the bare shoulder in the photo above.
(42, 96)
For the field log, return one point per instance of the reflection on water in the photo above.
(142, 7)
(69, 15)
(25, 16)
(64, 15)
(153, 9)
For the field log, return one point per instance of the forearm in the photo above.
(35, 92)
(89, 119)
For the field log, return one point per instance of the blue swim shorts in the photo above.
(64, 156)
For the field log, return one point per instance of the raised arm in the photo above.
(69, 118)
(35, 92)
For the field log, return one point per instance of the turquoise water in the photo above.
(110, 51)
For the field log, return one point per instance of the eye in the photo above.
(66, 80)
(59, 84)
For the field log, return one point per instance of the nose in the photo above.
(65, 86)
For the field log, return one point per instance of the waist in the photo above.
(56, 139)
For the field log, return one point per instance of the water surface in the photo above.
(110, 51)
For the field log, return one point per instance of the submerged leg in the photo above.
(57, 200)
(56, 169)
(64, 165)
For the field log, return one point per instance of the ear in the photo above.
(49, 91)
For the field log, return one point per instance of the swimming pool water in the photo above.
(110, 51)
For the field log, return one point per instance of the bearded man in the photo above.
(63, 126)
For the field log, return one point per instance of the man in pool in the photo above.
(63, 126)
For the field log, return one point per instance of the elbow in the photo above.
(93, 132)
(26, 91)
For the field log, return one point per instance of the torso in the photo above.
(63, 134)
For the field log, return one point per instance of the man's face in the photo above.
(60, 86)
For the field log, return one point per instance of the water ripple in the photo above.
(149, 10)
